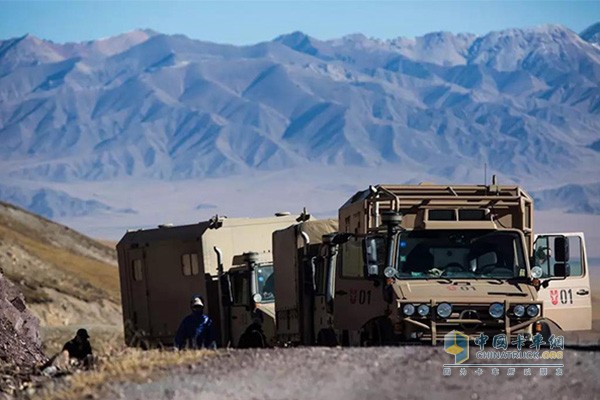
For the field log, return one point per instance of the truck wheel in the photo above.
(366, 338)
(545, 332)
(326, 337)
(377, 333)
(386, 332)
(369, 335)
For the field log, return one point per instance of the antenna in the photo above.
(485, 174)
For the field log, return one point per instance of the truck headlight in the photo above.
(408, 310)
(537, 272)
(423, 310)
(444, 310)
(389, 272)
(496, 310)
(533, 310)
(519, 310)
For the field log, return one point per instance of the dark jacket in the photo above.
(196, 331)
(79, 349)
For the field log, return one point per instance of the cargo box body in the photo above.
(161, 269)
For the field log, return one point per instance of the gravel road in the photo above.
(412, 372)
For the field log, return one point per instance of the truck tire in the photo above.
(378, 332)
(327, 338)
(546, 332)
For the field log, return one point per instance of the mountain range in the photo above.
(83, 124)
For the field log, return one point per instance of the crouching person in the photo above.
(78, 351)
(196, 331)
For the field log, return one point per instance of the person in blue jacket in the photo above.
(196, 331)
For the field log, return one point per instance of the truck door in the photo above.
(240, 309)
(139, 318)
(321, 317)
(357, 300)
(567, 301)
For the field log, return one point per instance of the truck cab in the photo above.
(415, 262)
(249, 298)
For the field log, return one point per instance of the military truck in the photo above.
(162, 268)
(414, 262)
(303, 284)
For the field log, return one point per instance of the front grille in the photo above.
(462, 315)
(469, 318)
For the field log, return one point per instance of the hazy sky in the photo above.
(244, 22)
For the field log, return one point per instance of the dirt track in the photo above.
(361, 373)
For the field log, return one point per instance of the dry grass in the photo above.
(31, 291)
(93, 274)
(116, 364)
(131, 365)
(44, 230)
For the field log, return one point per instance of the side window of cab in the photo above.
(544, 256)
(351, 254)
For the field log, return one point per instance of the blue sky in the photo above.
(244, 22)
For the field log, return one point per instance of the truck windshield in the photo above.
(460, 254)
(265, 282)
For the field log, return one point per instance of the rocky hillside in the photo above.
(20, 340)
(68, 280)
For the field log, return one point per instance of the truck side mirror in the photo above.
(226, 292)
(561, 249)
(341, 238)
(562, 270)
(371, 249)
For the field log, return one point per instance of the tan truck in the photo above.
(303, 284)
(161, 269)
(413, 262)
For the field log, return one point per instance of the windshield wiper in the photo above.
(426, 277)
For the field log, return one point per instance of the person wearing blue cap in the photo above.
(196, 331)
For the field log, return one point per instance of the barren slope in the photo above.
(68, 279)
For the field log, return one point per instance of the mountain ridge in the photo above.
(591, 33)
(146, 105)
